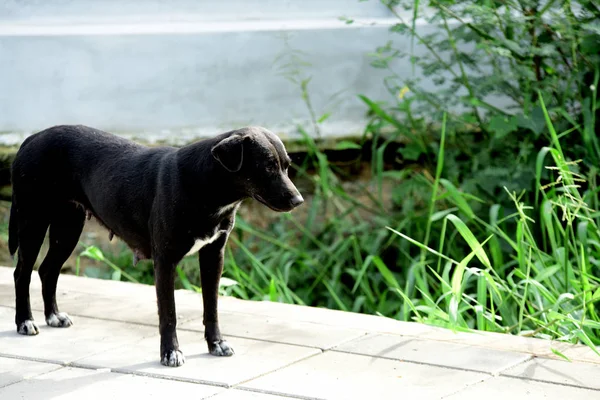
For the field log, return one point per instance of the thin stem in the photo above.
(465, 80)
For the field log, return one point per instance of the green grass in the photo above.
(525, 269)
(485, 221)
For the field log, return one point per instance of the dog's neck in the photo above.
(207, 180)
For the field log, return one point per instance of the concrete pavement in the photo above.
(282, 351)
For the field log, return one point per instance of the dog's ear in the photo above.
(230, 152)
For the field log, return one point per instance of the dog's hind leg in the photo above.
(65, 228)
(32, 227)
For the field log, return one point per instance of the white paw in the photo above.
(220, 349)
(173, 358)
(28, 327)
(59, 320)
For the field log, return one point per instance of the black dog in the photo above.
(164, 202)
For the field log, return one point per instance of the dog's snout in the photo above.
(297, 200)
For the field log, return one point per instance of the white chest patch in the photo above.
(229, 207)
(200, 243)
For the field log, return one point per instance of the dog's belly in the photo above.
(200, 243)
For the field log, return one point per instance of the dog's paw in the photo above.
(59, 320)
(173, 358)
(220, 348)
(28, 327)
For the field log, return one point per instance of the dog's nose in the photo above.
(297, 200)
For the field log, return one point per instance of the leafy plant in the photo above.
(471, 216)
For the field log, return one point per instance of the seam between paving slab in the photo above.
(432, 364)
(524, 378)
(75, 364)
(491, 376)
(273, 393)
(527, 378)
(58, 366)
(501, 370)
(467, 386)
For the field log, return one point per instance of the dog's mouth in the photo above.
(263, 201)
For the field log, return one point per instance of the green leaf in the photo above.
(591, 324)
(442, 214)
(473, 243)
(399, 28)
(395, 174)
(592, 27)
(548, 273)
(94, 253)
(386, 273)
(184, 279)
(227, 282)
(501, 125)
(323, 117)
(590, 44)
(346, 144)
(534, 122)
(116, 275)
(539, 165)
(586, 340)
(411, 152)
(458, 198)
(539, 120)
(559, 353)
(272, 290)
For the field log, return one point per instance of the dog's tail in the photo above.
(13, 229)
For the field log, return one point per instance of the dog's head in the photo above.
(260, 163)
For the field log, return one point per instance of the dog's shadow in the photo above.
(58, 387)
(141, 367)
(9, 333)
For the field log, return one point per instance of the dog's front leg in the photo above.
(211, 267)
(164, 277)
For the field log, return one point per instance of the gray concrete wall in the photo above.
(178, 70)
(161, 10)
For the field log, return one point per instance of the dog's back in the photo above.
(48, 169)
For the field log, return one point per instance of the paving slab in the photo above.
(279, 330)
(94, 298)
(323, 316)
(86, 337)
(118, 308)
(506, 342)
(585, 375)
(502, 388)
(581, 353)
(334, 375)
(252, 358)
(14, 370)
(435, 353)
(77, 384)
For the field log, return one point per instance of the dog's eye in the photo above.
(272, 167)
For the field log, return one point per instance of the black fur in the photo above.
(157, 200)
